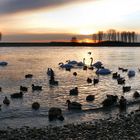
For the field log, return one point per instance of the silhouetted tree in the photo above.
(94, 37)
(100, 36)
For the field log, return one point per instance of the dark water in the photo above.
(35, 60)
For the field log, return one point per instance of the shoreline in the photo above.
(68, 44)
(124, 126)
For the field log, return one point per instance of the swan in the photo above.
(3, 63)
(81, 63)
(103, 71)
(50, 72)
(67, 66)
(98, 64)
(131, 73)
(72, 62)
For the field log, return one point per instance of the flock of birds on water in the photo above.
(56, 113)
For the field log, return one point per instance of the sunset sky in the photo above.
(53, 20)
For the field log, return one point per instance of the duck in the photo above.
(89, 80)
(36, 87)
(115, 75)
(35, 106)
(120, 80)
(74, 105)
(28, 76)
(90, 97)
(55, 113)
(75, 73)
(6, 101)
(74, 91)
(126, 88)
(17, 95)
(95, 81)
(136, 94)
(22, 88)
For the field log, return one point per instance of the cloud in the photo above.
(14, 6)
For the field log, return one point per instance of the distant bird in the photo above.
(74, 91)
(35, 106)
(74, 105)
(6, 101)
(23, 88)
(95, 81)
(75, 73)
(126, 88)
(89, 80)
(17, 95)
(90, 97)
(28, 76)
(36, 87)
(89, 53)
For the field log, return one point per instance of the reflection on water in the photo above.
(24, 60)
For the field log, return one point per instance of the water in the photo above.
(24, 60)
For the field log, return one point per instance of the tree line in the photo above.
(113, 35)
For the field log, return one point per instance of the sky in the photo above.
(59, 20)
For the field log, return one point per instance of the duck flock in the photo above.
(97, 67)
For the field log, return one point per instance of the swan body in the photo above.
(103, 71)
(131, 73)
(67, 66)
(3, 63)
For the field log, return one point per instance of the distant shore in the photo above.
(71, 44)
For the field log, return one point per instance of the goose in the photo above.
(36, 87)
(74, 105)
(17, 95)
(6, 101)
